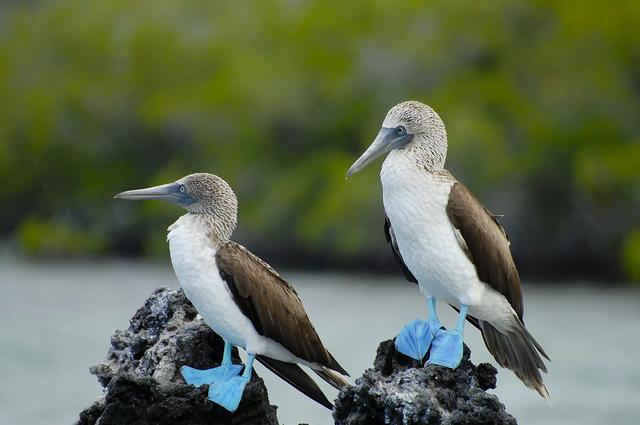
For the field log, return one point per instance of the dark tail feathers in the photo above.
(518, 351)
(332, 378)
(296, 377)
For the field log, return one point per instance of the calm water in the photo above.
(56, 319)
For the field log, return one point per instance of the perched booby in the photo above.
(238, 295)
(450, 245)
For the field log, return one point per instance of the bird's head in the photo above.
(411, 126)
(198, 193)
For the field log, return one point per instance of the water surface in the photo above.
(56, 320)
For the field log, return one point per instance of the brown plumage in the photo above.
(272, 305)
(486, 243)
(415, 139)
(201, 250)
(297, 378)
(488, 246)
(391, 239)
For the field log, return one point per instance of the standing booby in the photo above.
(238, 295)
(451, 246)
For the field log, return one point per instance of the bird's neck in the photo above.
(430, 153)
(220, 225)
(217, 227)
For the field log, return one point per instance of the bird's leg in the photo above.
(461, 318)
(229, 393)
(447, 346)
(226, 355)
(223, 372)
(248, 369)
(433, 315)
(415, 338)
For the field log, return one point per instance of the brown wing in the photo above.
(391, 240)
(487, 244)
(272, 305)
(297, 378)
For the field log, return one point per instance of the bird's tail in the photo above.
(333, 364)
(519, 351)
(332, 377)
(297, 378)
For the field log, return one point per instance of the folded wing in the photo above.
(272, 305)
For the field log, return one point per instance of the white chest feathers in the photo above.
(193, 256)
(415, 201)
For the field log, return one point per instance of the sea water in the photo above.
(56, 320)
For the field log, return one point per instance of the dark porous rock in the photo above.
(141, 374)
(398, 390)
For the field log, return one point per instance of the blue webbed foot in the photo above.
(228, 393)
(415, 338)
(446, 348)
(199, 377)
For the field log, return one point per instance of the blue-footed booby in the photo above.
(449, 243)
(238, 295)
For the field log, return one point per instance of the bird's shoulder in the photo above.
(464, 205)
(249, 269)
(485, 242)
(444, 174)
(233, 251)
(271, 303)
(393, 243)
(435, 182)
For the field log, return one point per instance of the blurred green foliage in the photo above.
(541, 100)
(631, 255)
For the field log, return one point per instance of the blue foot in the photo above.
(228, 393)
(416, 337)
(199, 377)
(446, 348)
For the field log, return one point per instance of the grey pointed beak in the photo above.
(386, 141)
(174, 193)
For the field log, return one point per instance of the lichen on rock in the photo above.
(398, 390)
(141, 374)
(143, 384)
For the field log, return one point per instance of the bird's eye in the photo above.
(182, 189)
(401, 131)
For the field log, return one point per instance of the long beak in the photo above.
(386, 141)
(167, 192)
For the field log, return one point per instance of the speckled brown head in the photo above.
(199, 193)
(208, 193)
(411, 126)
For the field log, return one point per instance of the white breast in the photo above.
(193, 259)
(415, 201)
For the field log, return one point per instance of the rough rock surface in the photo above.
(399, 391)
(141, 373)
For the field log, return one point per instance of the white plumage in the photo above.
(445, 240)
(240, 297)
(193, 257)
(415, 202)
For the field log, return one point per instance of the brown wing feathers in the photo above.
(487, 246)
(297, 378)
(489, 250)
(272, 305)
(391, 239)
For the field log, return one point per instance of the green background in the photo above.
(541, 100)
